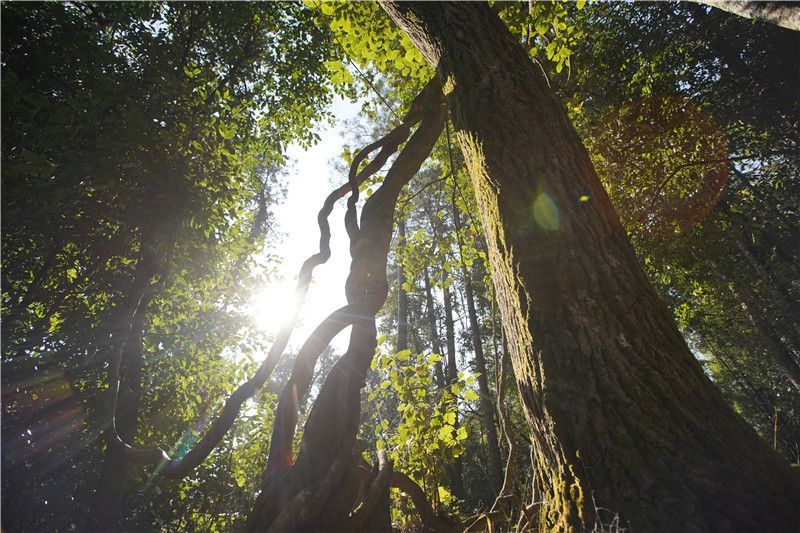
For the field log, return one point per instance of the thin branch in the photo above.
(410, 197)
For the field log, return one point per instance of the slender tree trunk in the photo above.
(402, 295)
(786, 309)
(622, 416)
(775, 346)
(486, 405)
(450, 335)
(433, 329)
(128, 338)
(455, 471)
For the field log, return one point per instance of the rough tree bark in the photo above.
(621, 414)
(783, 14)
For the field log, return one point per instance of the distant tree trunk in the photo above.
(402, 295)
(622, 416)
(774, 344)
(456, 470)
(433, 328)
(786, 309)
(486, 405)
(127, 338)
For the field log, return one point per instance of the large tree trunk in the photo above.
(621, 414)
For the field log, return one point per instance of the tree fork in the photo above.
(303, 369)
(622, 416)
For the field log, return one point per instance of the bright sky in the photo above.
(310, 180)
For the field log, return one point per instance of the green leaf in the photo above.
(343, 77)
(551, 49)
(333, 65)
(55, 321)
(227, 132)
(434, 358)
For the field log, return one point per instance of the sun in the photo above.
(272, 305)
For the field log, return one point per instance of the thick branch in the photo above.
(783, 14)
(303, 370)
(333, 421)
(430, 521)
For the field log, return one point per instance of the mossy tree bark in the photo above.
(621, 414)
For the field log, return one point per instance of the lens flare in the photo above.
(664, 162)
